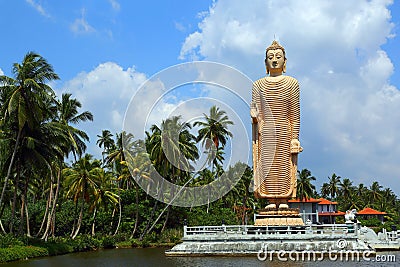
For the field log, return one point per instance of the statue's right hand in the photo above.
(254, 113)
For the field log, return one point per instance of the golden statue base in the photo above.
(278, 217)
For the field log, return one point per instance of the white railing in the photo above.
(326, 229)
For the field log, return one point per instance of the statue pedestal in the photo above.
(278, 217)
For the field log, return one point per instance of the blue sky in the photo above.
(345, 55)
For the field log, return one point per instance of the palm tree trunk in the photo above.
(46, 232)
(136, 212)
(152, 212)
(45, 214)
(94, 221)
(2, 228)
(10, 168)
(24, 204)
(162, 212)
(28, 229)
(166, 219)
(119, 217)
(22, 215)
(54, 210)
(79, 220)
(112, 221)
(14, 203)
(74, 223)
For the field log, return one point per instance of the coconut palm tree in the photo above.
(214, 128)
(116, 156)
(213, 131)
(305, 188)
(103, 194)
(106, 141)
(346, 189)
(171, 148)
(333, 186)
(375, 193)
(68, 115)
(26, 102)
(82, 181)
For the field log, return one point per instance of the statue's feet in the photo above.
(283, 206)
(271, 206)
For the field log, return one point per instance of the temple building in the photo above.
(317, 210)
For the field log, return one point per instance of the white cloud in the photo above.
(38, 7)
(105, 91)
(349, 109)
(80, 25)
(1, 72)
(115, 5)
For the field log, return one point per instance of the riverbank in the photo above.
(14, 249)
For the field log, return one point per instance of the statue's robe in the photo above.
(278, 123)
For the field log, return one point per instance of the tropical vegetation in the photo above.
(55, 195)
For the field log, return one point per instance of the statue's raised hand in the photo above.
(295, 147)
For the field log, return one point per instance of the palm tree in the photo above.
(104, 195)
(106, 141)
(82, 180)
(361, 190)
(26, 103)
(333, 186)
(124, 144)
(305, 188)
(325, 193)
(68, 114)
(171, 148)
(346, 188)
(375, 193)
(139, 167)
(213, 131)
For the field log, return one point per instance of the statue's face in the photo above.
(275, 60)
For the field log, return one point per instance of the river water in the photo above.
(154, 257)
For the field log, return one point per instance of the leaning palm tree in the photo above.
(305, 188)
(26, 101)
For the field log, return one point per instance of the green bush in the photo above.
(85, 243)
(372, 222)
(171, 236)
(21, 252)
(108, 242)
(9, 240)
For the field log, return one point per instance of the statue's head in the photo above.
(275, 57)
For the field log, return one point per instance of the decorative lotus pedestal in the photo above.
(278, 217)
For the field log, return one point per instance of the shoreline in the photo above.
(52, 248)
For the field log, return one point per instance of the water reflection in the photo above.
(154, 257)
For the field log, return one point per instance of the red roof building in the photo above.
(308, 208)
(327, 211)
(368, 213)
(317, 210)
